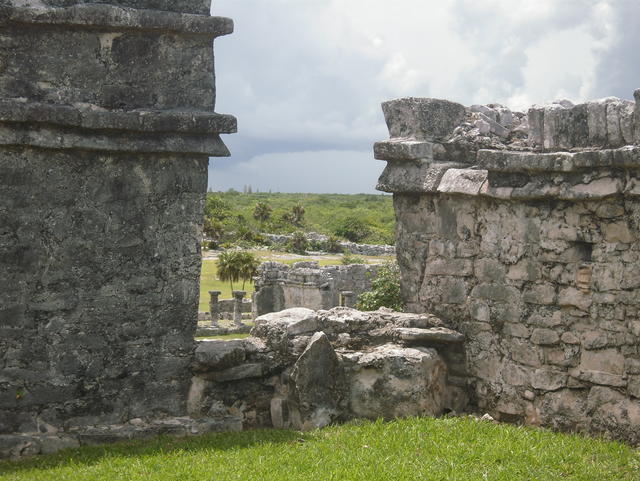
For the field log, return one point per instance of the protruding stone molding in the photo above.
(117, 18)
(588, 174)
(92, 117)
(627, 157)
(62, 138)
(89, 127)
(402, 149)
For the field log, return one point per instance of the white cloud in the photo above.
(305, 75)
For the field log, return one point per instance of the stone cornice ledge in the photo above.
(119, 18)
(55, 137)
(91, 117)
(522, 175)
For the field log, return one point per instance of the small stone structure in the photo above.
(521, 231)
(306, 284)
(223, 308)
(106, 126)
(305, 369)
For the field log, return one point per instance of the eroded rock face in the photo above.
(396, 381)
(320, 367)
(317, 381)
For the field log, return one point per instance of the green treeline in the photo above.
(235, 218)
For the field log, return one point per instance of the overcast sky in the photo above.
(306, 77)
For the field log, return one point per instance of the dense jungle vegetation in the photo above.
(235, 218)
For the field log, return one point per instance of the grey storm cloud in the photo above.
(309, 75)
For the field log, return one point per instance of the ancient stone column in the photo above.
(347, 298)
(107, 124)
(238, 296)
(214, 307)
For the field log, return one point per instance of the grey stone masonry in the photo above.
(306, 284)
(106, 125)
(521, 232)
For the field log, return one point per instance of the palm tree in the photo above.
(248, 266)
(297, 214)
(229, 267)
(262, 212)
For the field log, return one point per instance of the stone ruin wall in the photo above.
(306, 284)
(106, 126)
(305, 369)
(521, 231)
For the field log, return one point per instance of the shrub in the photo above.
(352, 228)
(297, 214)
(385, 290)
(349, 258)
(315, 245)
(298, 243)
(332, 244)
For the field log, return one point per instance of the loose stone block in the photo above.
(399, 150)
(318, 377)
(385, 383)
(422, 119)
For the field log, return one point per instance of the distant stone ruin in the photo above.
(306, 284)
(106, 128)
(346, 246)
(521, 231)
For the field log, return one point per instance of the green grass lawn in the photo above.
(446, 449)
(209, 280)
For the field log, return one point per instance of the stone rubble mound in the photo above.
(305, 369)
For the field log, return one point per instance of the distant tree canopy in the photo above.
(238, 219)
(352, 228)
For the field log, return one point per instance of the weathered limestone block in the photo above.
(218, 354)
(463, 181)
(601, 123)
(611, 412)
(318, 385)
(392, 381)
(434, 334)
(417, 176)
(403, 150)
(422, 119)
